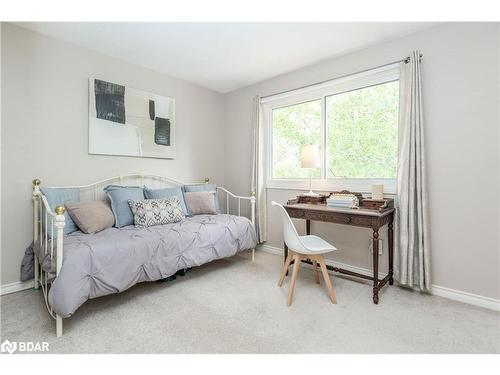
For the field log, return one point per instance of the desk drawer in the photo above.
(333, 217)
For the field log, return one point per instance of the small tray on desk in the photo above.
(310, 199)
(378, 204)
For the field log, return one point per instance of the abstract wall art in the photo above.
(130, 122)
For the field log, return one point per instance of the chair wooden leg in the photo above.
(285, 267)
(295, 271)
(326, 276)
(315, 270)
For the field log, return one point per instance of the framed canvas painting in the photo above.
(130, 122)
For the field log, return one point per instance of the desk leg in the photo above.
(375, 266)
(390, 236)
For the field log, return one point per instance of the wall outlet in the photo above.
(380, 247)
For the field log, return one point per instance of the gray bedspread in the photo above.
(115, 259)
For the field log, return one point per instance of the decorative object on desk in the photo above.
(358, 195)
(130, 122)
(377, 191)
(378, 204)
(340, 200)
(318, 199)
(309, 158)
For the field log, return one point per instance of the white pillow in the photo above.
(150, 212)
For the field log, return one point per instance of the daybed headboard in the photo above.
(94, 191)
(230, 203)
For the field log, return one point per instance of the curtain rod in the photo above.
(406, 60)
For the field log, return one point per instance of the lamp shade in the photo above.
(309, 158)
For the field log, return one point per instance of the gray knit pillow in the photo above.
(150, 212)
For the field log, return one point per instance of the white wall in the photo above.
(498, 125)
(45, 128)
(1, 131)
(460, 83)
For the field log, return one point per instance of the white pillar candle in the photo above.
(378, 191)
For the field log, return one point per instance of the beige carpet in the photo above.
(235, 306)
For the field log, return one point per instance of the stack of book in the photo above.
(342, 201)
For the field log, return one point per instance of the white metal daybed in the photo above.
(74, 268)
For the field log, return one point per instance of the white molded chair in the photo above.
(300, 248)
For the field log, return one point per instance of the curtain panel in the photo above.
(258, 171)
(412, 255)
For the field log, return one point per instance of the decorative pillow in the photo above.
(167, 193)
(119, 197)
(58, 197)
(150, 212)
(91, 217)
(204, 187)
(201, 202)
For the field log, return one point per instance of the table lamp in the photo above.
(309, 158)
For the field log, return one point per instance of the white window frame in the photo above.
(357, 81)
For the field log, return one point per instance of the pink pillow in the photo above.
(200, 202)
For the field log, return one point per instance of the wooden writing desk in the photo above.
(362, 217)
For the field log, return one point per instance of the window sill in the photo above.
(356, 185)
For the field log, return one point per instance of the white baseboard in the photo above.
(436, 290)
(15, 287)
(465, 297)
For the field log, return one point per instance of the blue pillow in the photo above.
(58, 197)
(119, 196)
(167, 193)
(205, 187)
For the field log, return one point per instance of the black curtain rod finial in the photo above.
(407, 60)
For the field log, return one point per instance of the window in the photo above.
(353, 122)
(294, 127)
(362, 132)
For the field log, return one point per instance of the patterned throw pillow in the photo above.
(150, 212)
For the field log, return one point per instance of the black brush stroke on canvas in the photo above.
(162, 131)
(109, 101)
(151, 109)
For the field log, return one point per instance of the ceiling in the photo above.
(224, 56)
